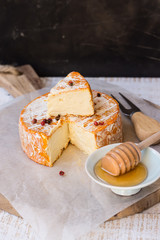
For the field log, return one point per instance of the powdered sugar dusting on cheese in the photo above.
(78, 80)
(38, 109)
(106, 109)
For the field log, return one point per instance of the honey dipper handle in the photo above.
(149, 141)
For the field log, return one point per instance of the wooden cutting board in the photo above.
(21, 80)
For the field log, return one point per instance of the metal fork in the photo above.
(144, 125)
(128, 112)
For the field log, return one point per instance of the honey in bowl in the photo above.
(131, 178)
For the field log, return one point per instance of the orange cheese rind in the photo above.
(79, 83)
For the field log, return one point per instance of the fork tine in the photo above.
(121, 106)
(134, 107)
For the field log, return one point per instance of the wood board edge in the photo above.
(138, 207)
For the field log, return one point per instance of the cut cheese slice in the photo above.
(81, 138)
(57, 142)
(43, 143)
(71, 95)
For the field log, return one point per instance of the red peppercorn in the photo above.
(98, 94)
(34, 120)
(58, 117)
(70, 83)
(43, 122)
(101, 123)
(61, 173)
(49, 120)
(96, 123)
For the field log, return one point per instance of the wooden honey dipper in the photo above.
(126, 156)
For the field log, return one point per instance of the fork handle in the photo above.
(144, 126)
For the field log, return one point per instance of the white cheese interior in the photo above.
(73, 102)
(82, 139)
(57, 142)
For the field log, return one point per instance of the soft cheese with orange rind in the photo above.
(44, 144)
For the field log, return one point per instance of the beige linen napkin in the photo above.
(60, 207)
